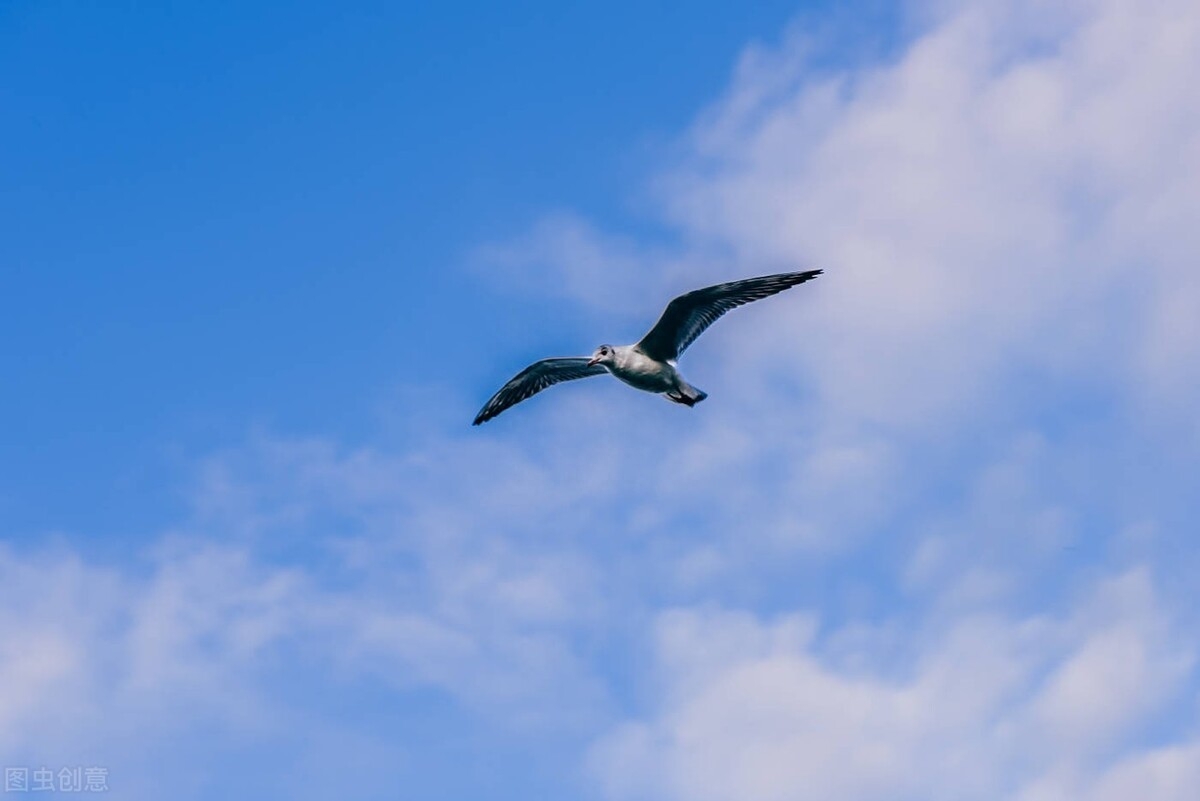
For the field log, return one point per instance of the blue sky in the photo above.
(931, 536)
(227, 217)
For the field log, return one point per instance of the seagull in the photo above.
(648, 365)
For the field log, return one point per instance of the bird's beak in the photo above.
(592, 362)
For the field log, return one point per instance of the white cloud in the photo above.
(981, 707)
(1014, 192)
(96, 658)
(1004, 214)
(980, 204)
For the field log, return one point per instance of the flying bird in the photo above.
(649, 364)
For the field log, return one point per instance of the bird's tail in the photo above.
(687, 395)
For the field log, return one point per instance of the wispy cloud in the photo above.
(976, 706)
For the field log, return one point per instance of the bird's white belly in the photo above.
(645, 373)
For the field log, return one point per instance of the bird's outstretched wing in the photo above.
(532, 380)
(686, 317)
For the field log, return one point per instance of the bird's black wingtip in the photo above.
(799, 277)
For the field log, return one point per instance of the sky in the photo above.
(933, 534)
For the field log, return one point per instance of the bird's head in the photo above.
(603, 355)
